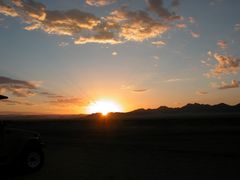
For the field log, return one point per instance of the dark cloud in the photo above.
(157, 6)
(17, 87)
(20, 83)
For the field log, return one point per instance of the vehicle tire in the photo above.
(31, 159)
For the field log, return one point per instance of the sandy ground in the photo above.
(134, 151)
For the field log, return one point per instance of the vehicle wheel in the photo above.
(32, 159)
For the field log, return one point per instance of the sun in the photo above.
(104, 107)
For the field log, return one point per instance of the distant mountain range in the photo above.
(192, 108)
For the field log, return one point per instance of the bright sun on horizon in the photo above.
(104, 107)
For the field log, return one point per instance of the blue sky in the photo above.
(143, 53)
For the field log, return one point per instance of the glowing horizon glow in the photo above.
(104, 107)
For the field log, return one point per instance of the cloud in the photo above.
(137, 25)
(14, 102)
(139, 90)
(222, 44)
(30, 9)
(159, 43)
(181, 25)
(114, 53)
(194, 34)
(178, 79)
(118, 27)
(7, 10)
(18, 88)
(27, 84)
(234, 84)
(63, 44)
(66, 101)
(99, 2)
(191, 20)
(158, 7)
(68, 23)
(201, 93)
(156, 57)
(50, 95)
(237, 27)
(225, 65)
(102, 37)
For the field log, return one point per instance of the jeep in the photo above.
(21, 148)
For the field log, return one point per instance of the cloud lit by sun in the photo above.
(104, 107)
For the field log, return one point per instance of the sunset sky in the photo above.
(59, 56)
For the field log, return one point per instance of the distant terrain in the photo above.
(193, 108)
(193, 142)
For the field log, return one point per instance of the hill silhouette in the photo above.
(192, 108)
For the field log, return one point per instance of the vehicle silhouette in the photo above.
(20, 149)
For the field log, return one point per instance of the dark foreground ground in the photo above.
(136, 149)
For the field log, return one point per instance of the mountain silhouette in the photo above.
(192, 108)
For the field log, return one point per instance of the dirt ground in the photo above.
(134, 150)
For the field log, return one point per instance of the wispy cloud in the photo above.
(50, 95)
(114, 53)
(181, 25)
(159, 43)
(225, 65)
(195, 34)
(66, 101)
(17, 87)
(191, 20)
(237, 27)
(178, 79)
(233, 84)
(222, 44)
(201, 93)
(14, 102)
(156, 57)
(63, 44)
(139, 90)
